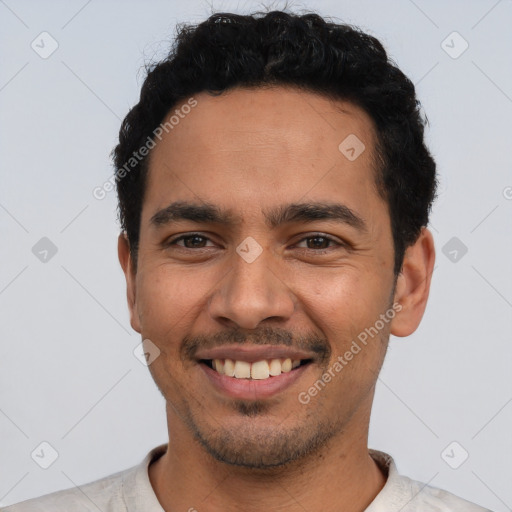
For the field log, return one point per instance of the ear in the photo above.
(125, 259)
(413, 284)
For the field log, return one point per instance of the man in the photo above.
(274, 191)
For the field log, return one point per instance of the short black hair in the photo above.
(338, 61)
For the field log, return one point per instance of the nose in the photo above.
(251, 293)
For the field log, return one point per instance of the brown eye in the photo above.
(192, 241)
(319, 242)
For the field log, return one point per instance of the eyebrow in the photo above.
(288, 213)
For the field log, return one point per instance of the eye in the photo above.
(320, 242)
(317, 243)
(190, 241)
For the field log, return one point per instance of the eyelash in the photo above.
(316, 235)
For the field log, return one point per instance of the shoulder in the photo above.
(432, 499)
(407, 495)
(105, 494)
(125, 491)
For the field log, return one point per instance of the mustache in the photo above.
(265, 335)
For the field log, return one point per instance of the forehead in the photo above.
(279, 115)
(253, 145)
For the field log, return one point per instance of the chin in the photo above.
(263, 448)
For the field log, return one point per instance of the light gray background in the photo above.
(67, 372)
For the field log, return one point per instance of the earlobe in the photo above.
(125, 259)
(413, 284)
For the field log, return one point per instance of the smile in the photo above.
(258, 370)
(253, 372)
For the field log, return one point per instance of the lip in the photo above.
(249, 389)
(251, 354)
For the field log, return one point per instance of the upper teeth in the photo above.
(258, 370)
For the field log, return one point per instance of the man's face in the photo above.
(288, 285)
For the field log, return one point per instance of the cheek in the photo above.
(343, 303)
(168, 301)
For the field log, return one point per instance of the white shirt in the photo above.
(130, 491)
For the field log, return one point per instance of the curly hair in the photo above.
(337, 61)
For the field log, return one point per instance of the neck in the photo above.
(340, 474)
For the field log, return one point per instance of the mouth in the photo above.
(253, 372)
(257, 370)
